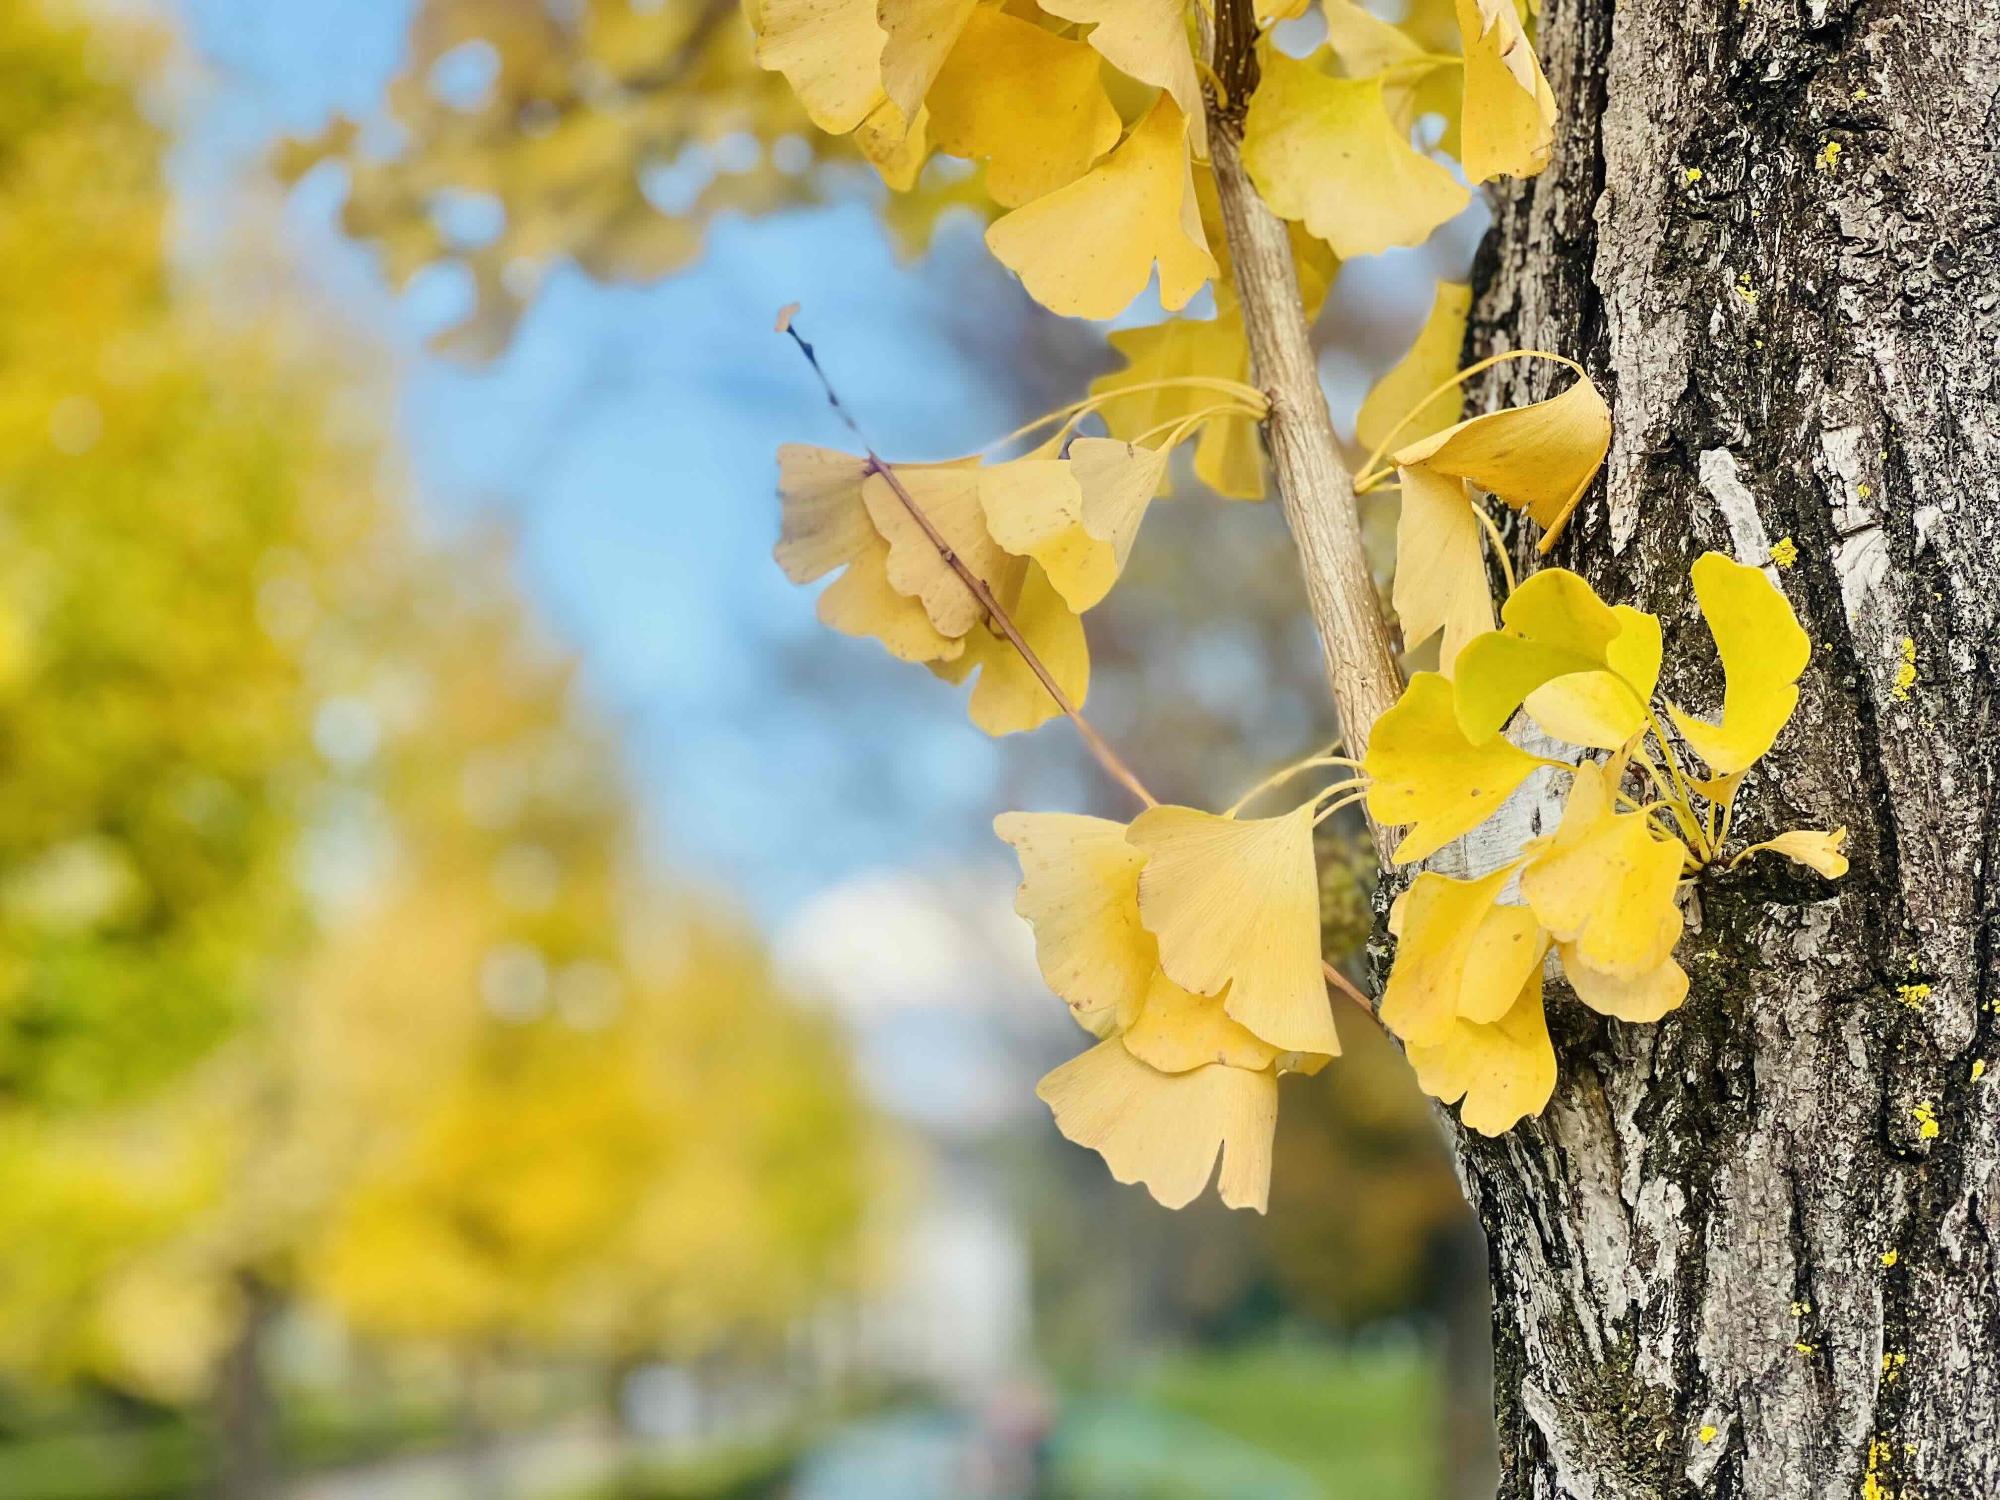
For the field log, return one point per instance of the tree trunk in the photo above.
(1732, 1258)
(245, 1417)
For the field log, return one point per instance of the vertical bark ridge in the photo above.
(1733, 1258)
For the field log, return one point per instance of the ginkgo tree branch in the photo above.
(1314, 486)
(1100, 748)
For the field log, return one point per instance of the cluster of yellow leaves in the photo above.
(1601, 891)
(1046, 534)
(1102, 194)
(1537, 459)
(1188, 944)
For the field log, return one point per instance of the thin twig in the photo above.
(1099, 747)
(1114, 767)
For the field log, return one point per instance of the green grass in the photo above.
(1268, 1422)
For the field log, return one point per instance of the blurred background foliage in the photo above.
(371, 1088)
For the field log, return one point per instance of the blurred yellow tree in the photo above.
(606, 134)
(317, 901)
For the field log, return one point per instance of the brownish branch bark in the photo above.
(1314, 487)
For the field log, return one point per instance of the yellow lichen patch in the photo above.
(1889, 1259)
(1692, 176)
(1828, 159)
(1784, 552)
(1925, 1114)
(1978, 1069)
(1906, 672)
(1707, 1434)
(1913, 995)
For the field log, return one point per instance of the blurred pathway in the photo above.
(528, 1467)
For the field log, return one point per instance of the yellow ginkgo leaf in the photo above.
(831, 53)
(1009, 698)
(895, 146)
(1118, 480)
(918, 35)
(824, 525)
(861, 602)
(1812, 847)
(1554, 625)
(1148, 40)
(1427, 364)
(1424, 771)
(1026, 101)
(1538, 458)
(1080, 893)
(1227, 457)
(1604, 883)
(1176, 1031)
(1763, 651)
(1437, 926)
(1366, 44)
(1325, 151)
(1604, 709)
(1235, 903)
(1644, 998)
(1440, 578)
(949, 499)
(1508, 124)
(1087, 249)
(1034, 508)
(1164, 1130)
(1504, 1071)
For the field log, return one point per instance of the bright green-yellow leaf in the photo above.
(1507, 127)
(1235, 903)
(1087, 249)
(918, 37)
(1427, 364)
(1118, 480)
(1426, 772)
(1644, 997)
(1024, 100)
(1177, 1030)
(1080, 893)
(1147, 39)
(1553, 625)
(830, 51)
(1440, 578)
(1763, 651)
(1503, 1072)
(949, 499)
(1438, 924)
(1538, 458)
(1227, 457)
(1034, 508)
(1165, 1129)
(1325, 151)
(1009, 698)
(825, 526)
(1812, 847)
(1604, 709)
(1604, 882)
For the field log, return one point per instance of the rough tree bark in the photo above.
(1731, 1259)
